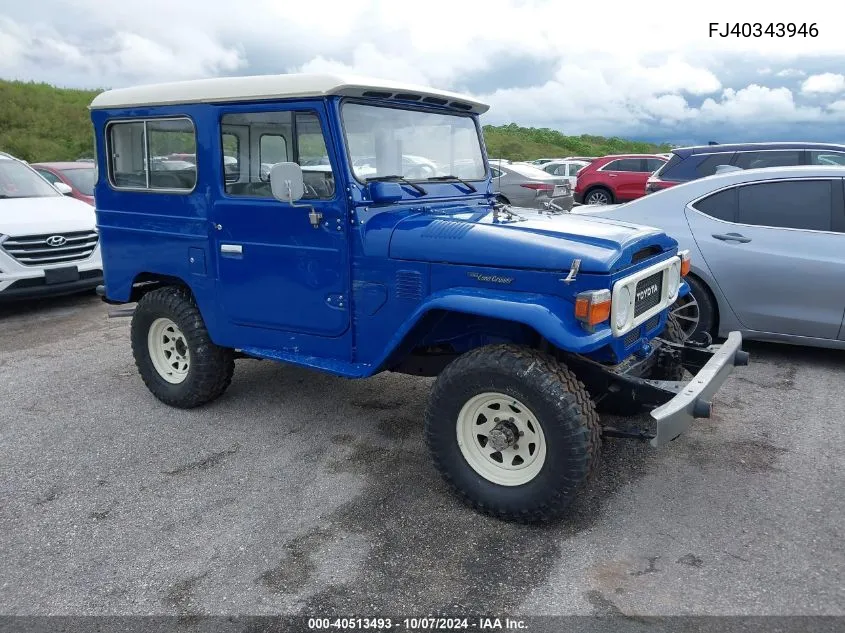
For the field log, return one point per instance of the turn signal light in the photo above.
(592, 307)
(685, 262)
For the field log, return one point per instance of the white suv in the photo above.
(49, 243)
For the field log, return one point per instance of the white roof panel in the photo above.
(270, 87)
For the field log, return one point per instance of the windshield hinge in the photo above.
(573, 270)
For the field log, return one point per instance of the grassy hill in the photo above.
(39, 122)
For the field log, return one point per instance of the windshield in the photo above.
(19, 181)
(416, 145)
(82, 179)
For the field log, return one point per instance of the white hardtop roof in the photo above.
(269, 87)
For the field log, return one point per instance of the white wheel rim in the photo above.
(520, 461)
(168, 350)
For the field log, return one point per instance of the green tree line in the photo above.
(39, 122)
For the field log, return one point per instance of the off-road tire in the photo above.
(556, 398)
(211, 367)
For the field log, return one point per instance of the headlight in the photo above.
(674, 278)
(622, 307)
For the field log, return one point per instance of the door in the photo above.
(777, 251)
(276, 270)
(627, 177)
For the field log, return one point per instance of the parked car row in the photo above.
(767, 250)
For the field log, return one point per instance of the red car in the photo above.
(79, 176)
(613, 179)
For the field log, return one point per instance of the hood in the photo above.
(537, 241)
(53, 214)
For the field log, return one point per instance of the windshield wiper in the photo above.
(455, 179)
(395, 178)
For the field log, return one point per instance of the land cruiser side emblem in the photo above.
(491, 278)
(647, 292)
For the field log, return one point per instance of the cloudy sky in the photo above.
(645, 70)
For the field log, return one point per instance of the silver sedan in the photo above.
(768, 251)
(527, 186)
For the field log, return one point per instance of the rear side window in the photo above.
(795, 204)
(720, 205)
(776, 158)
(140, 151)
(653, 164)
(669, 167)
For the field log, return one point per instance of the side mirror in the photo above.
(64, 189)
(286, 182)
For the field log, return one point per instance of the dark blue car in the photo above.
(690, 163)
(351, 227)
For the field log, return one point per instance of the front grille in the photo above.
(651, 323)
(648, 293)
(631, 337)
(35, 250)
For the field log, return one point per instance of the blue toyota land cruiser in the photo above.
(349, 225)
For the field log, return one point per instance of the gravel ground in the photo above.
(297, 492)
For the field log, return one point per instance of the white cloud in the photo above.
(646, 70)
(824, 83)
(790, 72)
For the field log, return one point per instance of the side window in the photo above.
(272, 149)
(778, 158)
(625, 164)
(166, 137)
(827, 158)
(50, 176)
(262, 139)
(653, 164)
(795, 204)
(140, 154)
(720, 205)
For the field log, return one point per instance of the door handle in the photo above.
(231, 249)
(732, 237)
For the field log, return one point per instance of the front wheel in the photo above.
(174, 353)
(513, 432)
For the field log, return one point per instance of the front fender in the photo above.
(552, 317)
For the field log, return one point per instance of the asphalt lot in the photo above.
(302, 493)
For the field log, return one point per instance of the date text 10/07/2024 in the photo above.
(758, 29)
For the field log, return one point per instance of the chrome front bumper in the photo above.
(695, 399)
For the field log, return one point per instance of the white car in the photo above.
(567, 168)
(49, 244)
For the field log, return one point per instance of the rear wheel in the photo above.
(513, 432)
(174, 353)
(598, 195)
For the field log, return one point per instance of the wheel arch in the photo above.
(473, 320)
(145, 282)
